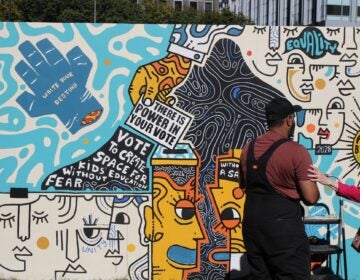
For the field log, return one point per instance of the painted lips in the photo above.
(324, 133)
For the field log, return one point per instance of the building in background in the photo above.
(200, 5)
(298, 12)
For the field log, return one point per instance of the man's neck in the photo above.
(280, 130)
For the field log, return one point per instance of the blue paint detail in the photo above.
(182, 255)
(235, 92)
(300, 118)
(330, 71)
(199, 33)
(68, 99)
(234, 31)
(224, 256)
(15, 119)
(46, 121)
(64, 33)
(313, 43)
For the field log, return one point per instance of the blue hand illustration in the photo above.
(58, 84)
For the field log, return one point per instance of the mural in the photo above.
(120, 143)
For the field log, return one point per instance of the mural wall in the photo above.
(120, 143)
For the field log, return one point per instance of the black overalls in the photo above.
(273, 230)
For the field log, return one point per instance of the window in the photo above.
(208, 6)
(338, 9)
(193, 5)
(178, 5)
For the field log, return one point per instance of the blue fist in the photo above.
(58, 85)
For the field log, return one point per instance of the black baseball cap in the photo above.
(279, 108)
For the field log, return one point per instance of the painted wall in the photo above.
(120, 144)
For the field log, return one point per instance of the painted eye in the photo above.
(259, 30)
(91, 233)
(290, 32)
(40, 217)
(185, 209)
(230, 217)
(7, 219)
(122, 219)
(333, 31)
(336, 104)
(295, 59)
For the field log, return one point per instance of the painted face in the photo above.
(84, 233)
(325, 123)
(228, 199)
(176, 229)
(325, 126)
(299, 78)
(14, 254)
(125, 222)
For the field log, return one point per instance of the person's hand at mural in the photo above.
(58, 84)
(155, 81)
(341, 189)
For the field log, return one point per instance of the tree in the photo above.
(9, 11)
(113, 11)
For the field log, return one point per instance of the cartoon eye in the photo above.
(259, 30)
(7, 219)
(295, 59)
(40, 217)
(122, 218)
(230, 218)
(316, 68)
(185, 209)
(336, 104)
(289, 31)
(90, 234)
(333, 31)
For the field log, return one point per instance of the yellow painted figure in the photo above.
(172, 225)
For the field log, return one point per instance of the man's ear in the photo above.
(289, 121)
(152, 225)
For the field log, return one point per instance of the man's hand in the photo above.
(154, 81)
(58, 85)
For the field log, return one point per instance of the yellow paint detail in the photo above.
(356, 147)
(294, 91)
(86, 141)
(131, 247)
(320, 83)
(43, 243)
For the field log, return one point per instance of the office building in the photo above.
(298, 12)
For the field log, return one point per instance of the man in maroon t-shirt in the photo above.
(274, 174)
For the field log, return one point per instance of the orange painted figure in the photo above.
(228, 201)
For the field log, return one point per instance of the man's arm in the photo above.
(309, 192)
